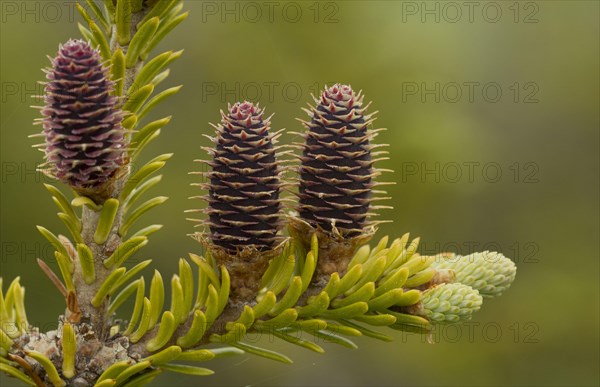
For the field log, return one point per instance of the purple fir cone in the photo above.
(85, 142)
(336, 172)
(243, 199)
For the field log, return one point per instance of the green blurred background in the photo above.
(515, 172)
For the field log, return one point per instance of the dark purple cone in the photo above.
(85, 142)
(243, 200)
(336, 165)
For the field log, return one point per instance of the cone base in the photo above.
(335, 249)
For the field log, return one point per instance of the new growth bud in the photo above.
(450, 303)
(489, 272)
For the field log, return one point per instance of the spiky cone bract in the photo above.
(244, 205)
(84, 141)
(337, 175)
(490, 272)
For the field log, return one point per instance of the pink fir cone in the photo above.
(84, 140)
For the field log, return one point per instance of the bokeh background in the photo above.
(493, 126)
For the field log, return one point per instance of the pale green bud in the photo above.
(489, 272)
(450, 302)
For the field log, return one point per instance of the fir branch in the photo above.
(321, 282)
